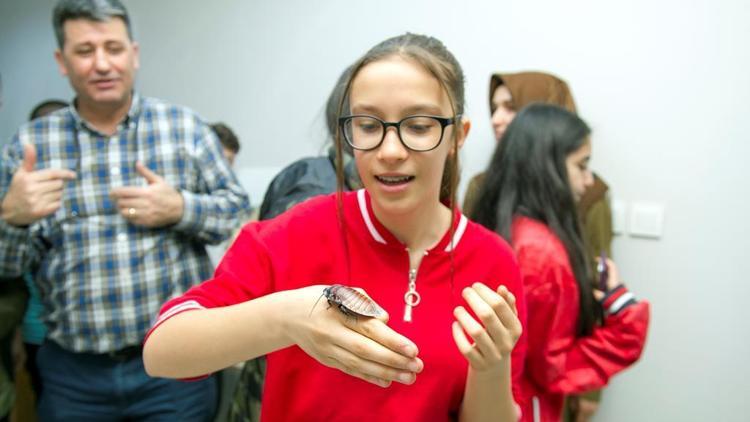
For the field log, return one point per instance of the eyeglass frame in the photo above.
(444, 122)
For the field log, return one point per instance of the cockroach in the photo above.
(350, 301)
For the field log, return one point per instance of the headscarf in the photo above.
(530, 87)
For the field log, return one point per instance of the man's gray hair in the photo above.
(95, 10)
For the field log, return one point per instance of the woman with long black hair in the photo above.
(578, 337)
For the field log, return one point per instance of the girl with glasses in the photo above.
(449, 289)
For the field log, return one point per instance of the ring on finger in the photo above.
(131, 212)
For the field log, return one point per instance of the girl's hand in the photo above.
(583, 408)
(497, 334)
(363, 347)
(613, 279)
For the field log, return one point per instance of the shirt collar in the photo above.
(133, 112)
(380, 234)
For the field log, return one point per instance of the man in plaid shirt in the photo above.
(111, 202)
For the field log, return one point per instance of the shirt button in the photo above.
(114, 171)
(122, 237)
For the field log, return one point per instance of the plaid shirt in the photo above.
(102, 280)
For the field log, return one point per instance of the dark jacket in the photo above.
(304, 179)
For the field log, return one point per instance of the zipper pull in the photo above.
(411, 297)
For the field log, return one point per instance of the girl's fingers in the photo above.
(496, 314)
(508, 313)
(377, 381)
(509, 297)
(354, 364)
(464, 346)
(485, 312)
(372, 340)
(483, 343)
(351, 371)
(598, 294)
(614, 276)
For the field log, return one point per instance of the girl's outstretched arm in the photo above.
(200, 341)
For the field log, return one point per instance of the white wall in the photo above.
(664, 85)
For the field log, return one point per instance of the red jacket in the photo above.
(559, 363)
(306, 246)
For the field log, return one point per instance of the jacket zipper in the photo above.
(411, 297)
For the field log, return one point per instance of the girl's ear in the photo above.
(463, 128)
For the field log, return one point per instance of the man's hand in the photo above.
(33, 194)
(155, 205)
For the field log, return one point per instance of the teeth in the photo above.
(394, 179)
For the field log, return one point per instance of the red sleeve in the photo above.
(244, 273)
(561, 362)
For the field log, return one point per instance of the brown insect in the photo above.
(350, 301)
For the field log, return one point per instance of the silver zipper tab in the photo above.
(411, 297)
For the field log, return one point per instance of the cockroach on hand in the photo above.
(350, 301)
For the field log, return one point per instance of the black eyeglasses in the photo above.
(417, 133)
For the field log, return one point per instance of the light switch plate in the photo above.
(619, 210)
(646, 220)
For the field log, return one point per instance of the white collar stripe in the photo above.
(366, 216)
(462, 223)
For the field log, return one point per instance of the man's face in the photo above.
(99, 60)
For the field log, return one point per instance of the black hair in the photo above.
(46, 107)
(527, 176)
(226, 136)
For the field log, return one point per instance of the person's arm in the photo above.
(200, 341)
(215, 338)
(488, 395)
(27, 195)
(220, 323)
(210, 212)
(566, 364)
(213, 213)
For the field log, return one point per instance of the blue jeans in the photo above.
(92, 387)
